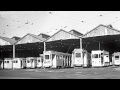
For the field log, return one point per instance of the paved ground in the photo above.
(71, 73)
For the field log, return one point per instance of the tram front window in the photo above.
(78, 55)
(95, 56)
(38, 60)
(46, 56)
(117, 57)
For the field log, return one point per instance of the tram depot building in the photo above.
(101, 38)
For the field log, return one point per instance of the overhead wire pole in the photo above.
(99, 45)
(81, 49)
(44, 46)
(44, 53)
(13, 50)
(80, 43)
(13, 55)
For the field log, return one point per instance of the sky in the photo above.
(19, 23)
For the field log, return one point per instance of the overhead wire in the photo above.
(98, 17)
(21, 26)
(64, 17)
(84, 21)
(27, 20)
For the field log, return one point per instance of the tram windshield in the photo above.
(95, 56)
(46, 56)
(78, 55)
(116, 57)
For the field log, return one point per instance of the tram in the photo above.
(100, 58)
(8, 64)
(19, 63)
(1, 64)
(31, 62)
(81, 58)
(40, 61)
(116, 58)
(53, 59)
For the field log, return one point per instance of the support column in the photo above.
(81, 50)
(80, 43)
(13, 55)
(99, 45)
(44, 47)
(13, 51)
(44, 53)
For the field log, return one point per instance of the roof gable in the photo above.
(75, 32)
(61, 30)
(38, 37)
(101, 30)
(42, 35)
(15, 38)
(32, 35)
(11, 41)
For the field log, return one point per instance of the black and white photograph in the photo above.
(59, 44)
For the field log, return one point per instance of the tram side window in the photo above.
(7, 61)
(38, 60)
(46, 56)
(28, 61)
(13, 61)
(53, 55)
(78, 54)
(32, 60)
(99, 56)
(95, 56)
(60, 57)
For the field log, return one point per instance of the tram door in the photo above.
(54, 60)
(102, 58)
(24, 63)
(106, 59)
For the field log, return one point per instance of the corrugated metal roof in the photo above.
(76, 32)
(33, 35)
(15, 38)
(11, 41)
(63, 31)
(47, 36)
(103, 26)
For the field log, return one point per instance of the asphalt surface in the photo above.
(70, 73)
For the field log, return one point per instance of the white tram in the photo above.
(55, 59)
(1, 64)
(31, 62)
(100, 58)
(40, 61)
(116, 58)
(81, 58)
(8, 64)
(19, 63)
